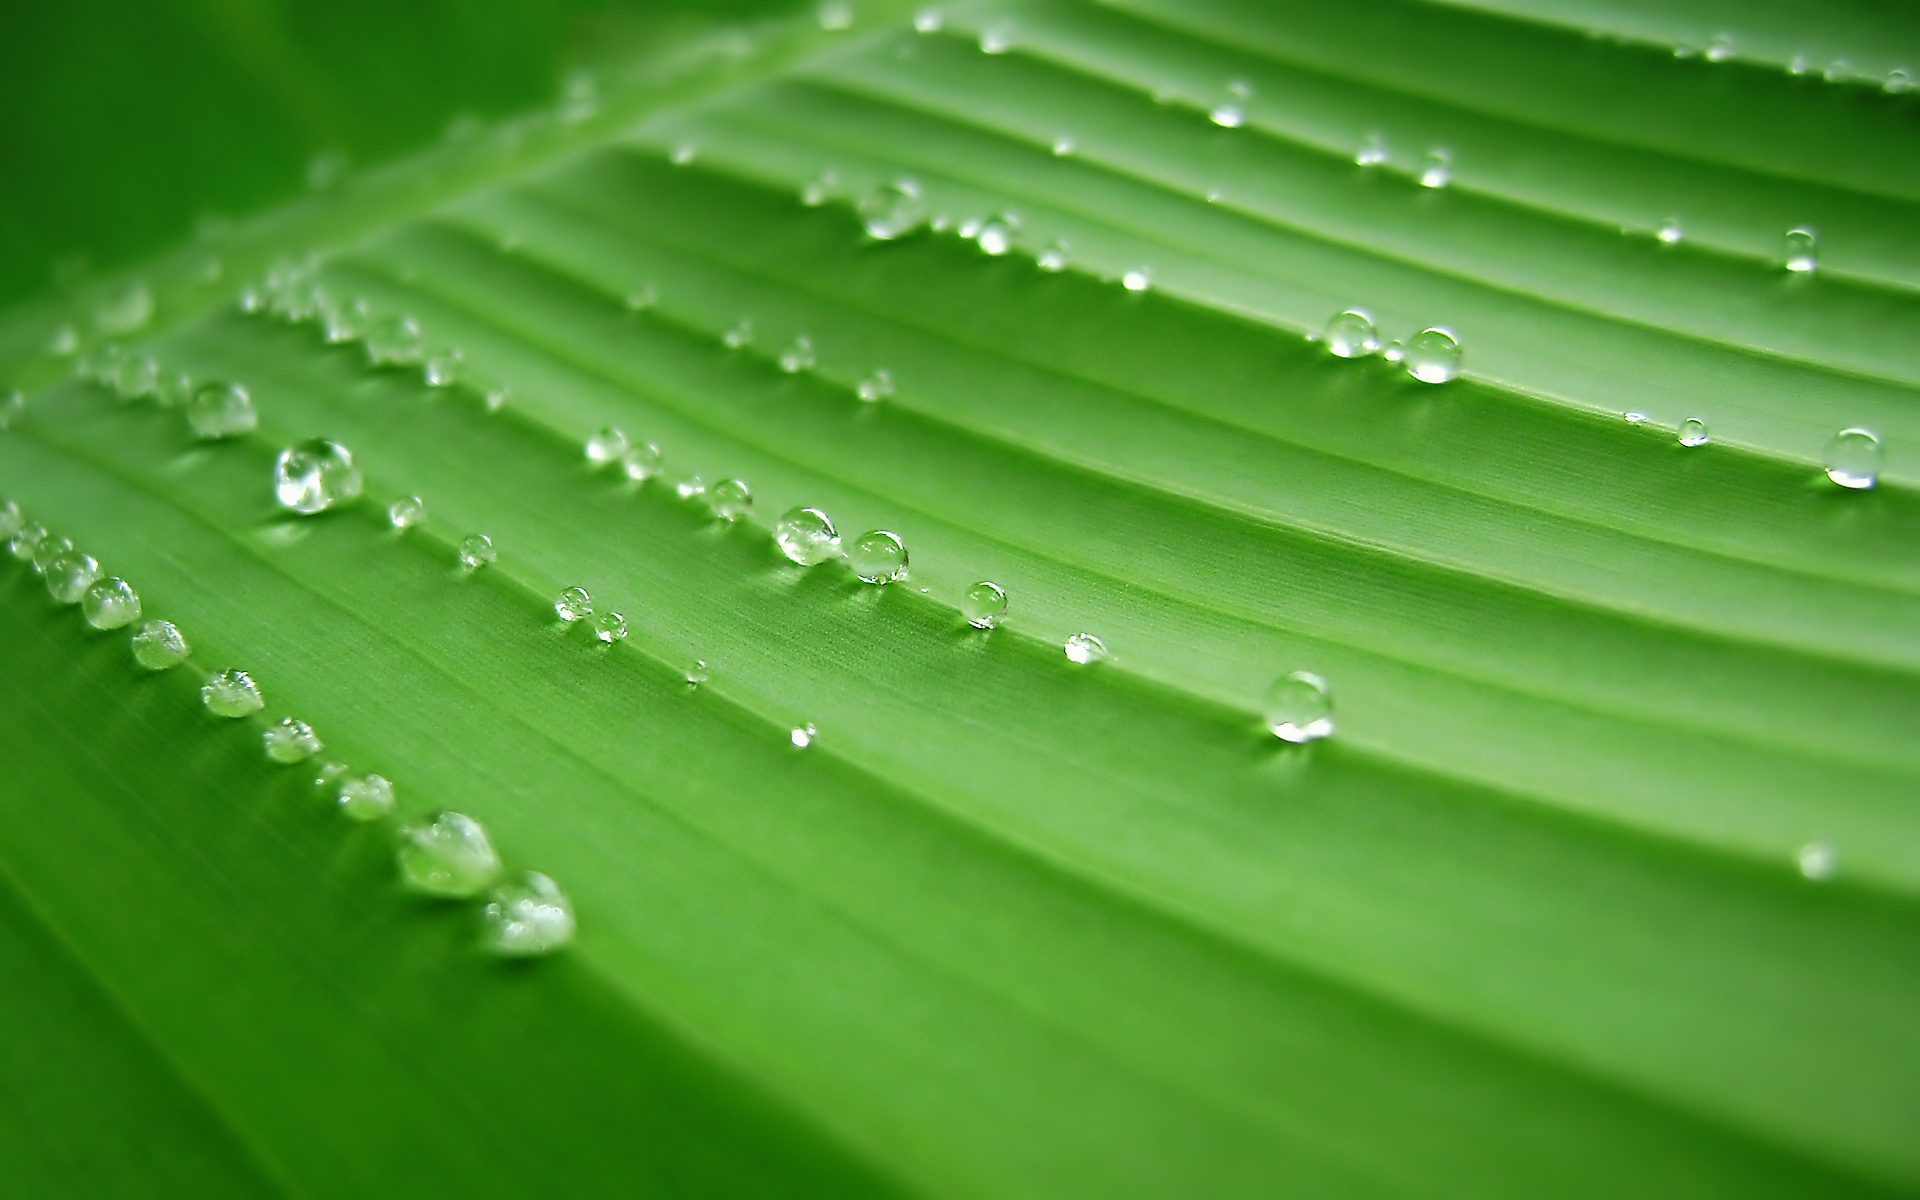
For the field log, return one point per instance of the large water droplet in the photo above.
(125, 311)
(158, 645)
(1084, 648)
(1432, 356)
(1139, 279)
(394, 340)
(995, 235)
(476, 551)
(642, 462)
(48, 549)
(290, 741)
(1693, 432)
(730, 499)
(110, 603)
(798, 356)
(1801, 256)
(1351, 334)
(231, 694)
(26, 540)
(1436, 170)
(1853, 458)
(315, 475)
(367, 798)
(1299, 708)
(220, 410)
(802, 736)
(879, 557)
(1670, 233)
(893, 210)
(606, 446)
(1816, 861)
(70, 575)
(531, 915)
(610, 627)
(877, 386)
(807, 536)
(1228, 114)
(573, 604)
(984, 604)
(447, 855)
(406, 512)
(1372, 152)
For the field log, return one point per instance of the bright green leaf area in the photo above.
(1533, 922)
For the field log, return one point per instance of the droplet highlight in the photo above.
(610, 627)
(1352, 334)
(1436, 169)
(1693, 432)
(1432, 356)
(605, 446)
(406, 512)
(893, 210)
(730, 499)
(1816, 861)
(807, 536)
(1084, 649)
(1853, 458)
(366, 798)
(394, 340)
(573, 604)
(221, 410)
(1801, 253)
(877, 386)
(531, 916)
(642, 462)
(984, 604)
(798, 356)
(802, 736)
(231, 694)
(476, 551)
(1299, 708)
(110, 604)
(70, 574)
(314, 476)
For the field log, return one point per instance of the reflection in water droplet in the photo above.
(1635, 418)
(1853, 458)
(877, 386)
(803, 735)
(1670, 232)
(531, 915)
(1899, 81)
(1693, 432)
(1837, 71)
(1800, 256)
(231, 694)
(1299, 708)
(290, 741)
(1351, 334)
(641, 463)
(1372, 152)
(394, 340)
(1137, 280)
(606, 446)
(730, 499)
(573, 604)
(110, 603)
(878, 557)
(983, 605)
(136, 376)
(1084, 648)
(497, 397)
(367, 798)
(476, 551)
(1436, 170)
(1433, 356)
(344, 322)
(221, 410)
(69, 575)
(158, 645)
(314, 476)
(407, 512)
(893, 210)
(609, 627)
(1816, 861)
(447, 855)
(807, 536)
(798, 356)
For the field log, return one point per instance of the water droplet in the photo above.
(231, 694)
(47, 550)
(1299, 708)
(1062, 146)
(70, 575)
(803, 735)
(996, 235)
(879, 557)
(26, 540)
(877, 386)
(12, 407)
(1228, 115)
(1137, 280)
(610, 627)
(345, 322)
(447, 855)
(798, 356)
(394, 340)
(1837, 71)
(1372, 152)
(836, 15)
(1816, 861)
(497, 397)
(573, 604)
(1436, 170)
(136, 376)
(691, 488)
(532, 916)
(290, 741)
(1635, 418)
(606, 446)
(1720, 47)
(65, 341)
(1433, 355)
(1351, 334)
(983, 605)
(642, 300)
(443, 369)
(1853, 458)
(125, 311)
(1800, 255)
(1670, 232)
(893, 210)
(1799, 65)
(927, 20)
(807, 536)
(642, 462)
(697, 673)
(996, 39)
(476, 551)
(315, 475)
(221, 410)
(110, 603)
(12, 520)
(1054, 257)
(1899, 80)
(730, 499)
(158, 645)
(741, 334)
(683, 154)
(820, 189)
(366, 798)
(1084, 648)
(1693, 432)
(407, 512)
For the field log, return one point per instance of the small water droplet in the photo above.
(995, 236)
(48, 550)
(970, 228)
(69, 575)
(1720, 47)
(158, 645)
(26, 540)
(531, 916)
(927, 20)
(1084, 648)
(573, 604)
(315, 475)
(367, 798)
(290, 741)
(807, 536)
(136, 376)
(443, 369)
(125, 311)
(447, 854)
(1436, 170)
(836, 15)
(64, 342)
(730, 499)
(641, 300)
(1800, 255)
(476, 551)
(394, 340)
(606, 446)
(820, 189)
(496, 398)
(1816, 861)
(1853, 458)
(803, 735)
(1372, 152)
(1351, 334)
(1055, 256)
(691, 488)
(1693, 432)
(984, 604)
(697, 673)
(798, 356)
(1137, 280)
(610, 627)
(1299, 708)
(406, 512)
(1899, 81)
(893, 210)
(231, 694)
(110, 603)
(12, 407)
(1799, 65)
(878, 556)
(741, 334)
(342, 322)
(1837, 71)
(1635, 418)
(641, 463)
(1433, 355)
(877, 386)
(1228, 115)
(221, 410)
(683, 154)
(1670, 232)
(12, 520)
(996, 39)
(1062, 146)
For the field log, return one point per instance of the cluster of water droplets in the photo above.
(1431, 356)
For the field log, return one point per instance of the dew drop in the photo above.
(1837, 71)
(315, 475)
(1800, 256)
(1432, 355)
(798, 356)
(879, 557)
(1635, 418)
(1693, 432)
(1899, 81)
(927, 20)
(1670, 232)
(803, 735)
(136, 376)
(231, 694)
(221, 410)
(1299, 708)
(730, 499)
(1853, 458)
(447, 854)
(531, 916)
(406, 512)
(290, 741)
(877, 386)
(342, 323)
(642, 300)
(125, 311)
(443, 369)
(1228, 115)
(1720, 47)
(1799, 65)
(49, 548)
(1062, 146)
(158, 645)
(610, 627)
(13, 406)
(984, 605)
(741, 334)
(65, 341)
(835, 15)
(691, 488)
(1084, 648)
(1372, 152)
(642, 462)
(996, 39)
(1436, 170)
(110, 603)
(70, 574)
(807, 536)
(476, 551)
(496, 398)
(606, 446)
(697, 673)
(893, 210)
(1816, 861)
(820, 189)
(394, 340)
(573, 604)
(1351, 334)
(12, 520)
(1054, 257)
(1139, 279)
(996, 235)
(366, 798)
